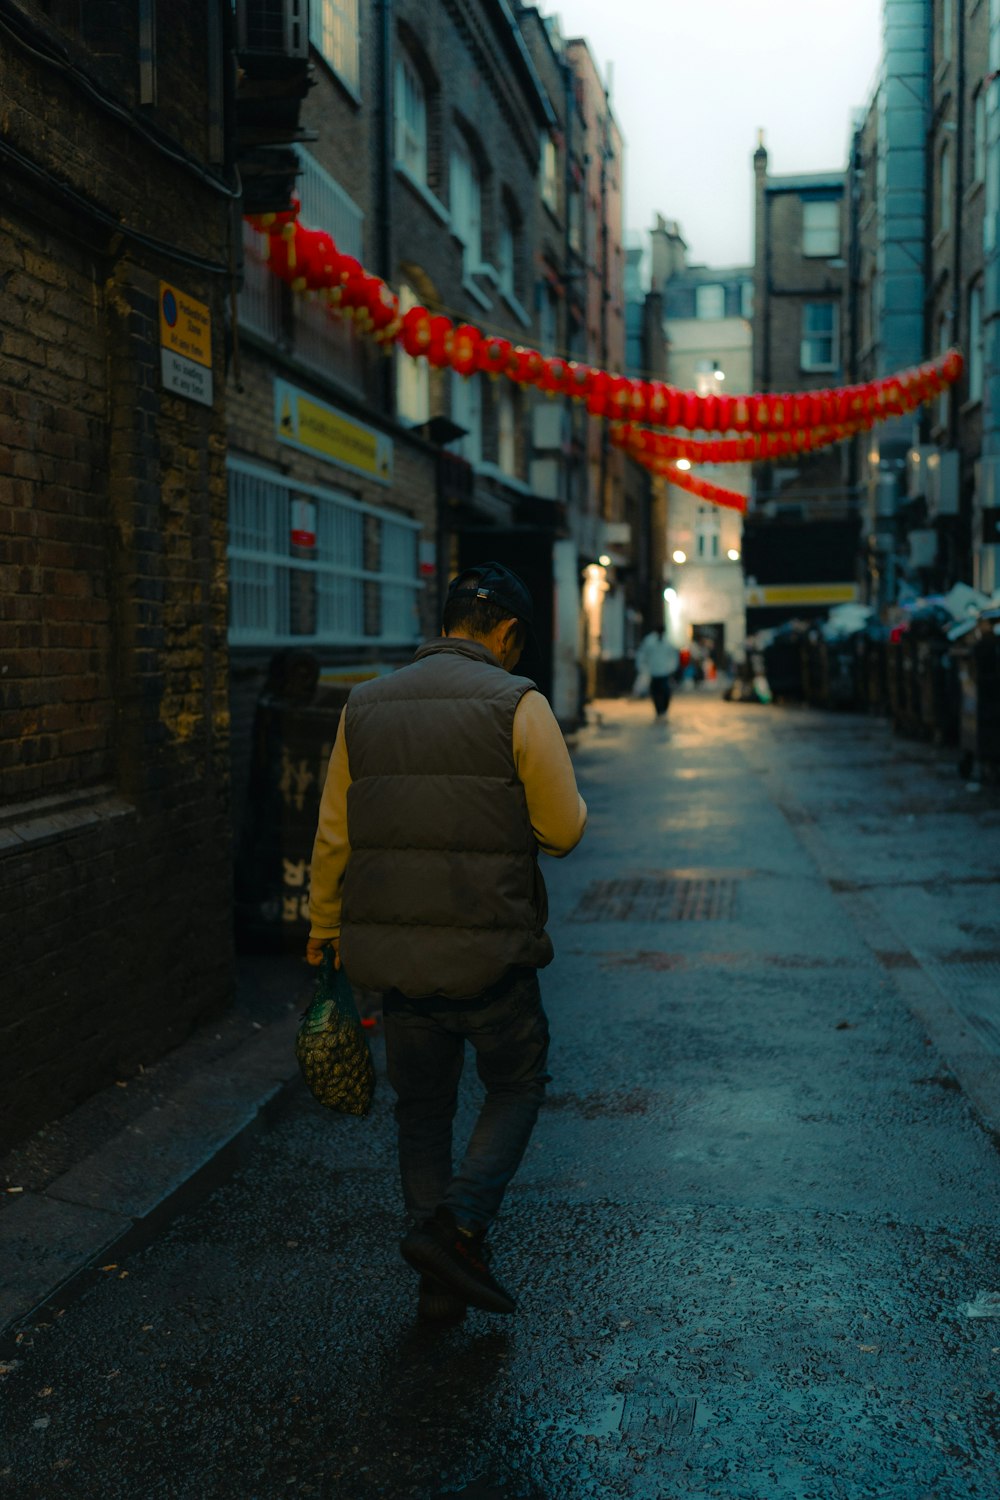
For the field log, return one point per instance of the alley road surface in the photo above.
(753, 1230)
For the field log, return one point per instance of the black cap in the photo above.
(497, 585)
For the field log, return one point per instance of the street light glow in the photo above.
(733, 555)
(684, 464)
(604, 560)
(669, 594)
(680, 557)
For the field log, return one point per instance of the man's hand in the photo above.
(315, 948)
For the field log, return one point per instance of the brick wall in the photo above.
(114, 802)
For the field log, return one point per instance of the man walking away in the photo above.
(658, 656)
(446, 779)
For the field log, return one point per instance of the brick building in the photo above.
(114, 825)
(801, 533)
(446, 151)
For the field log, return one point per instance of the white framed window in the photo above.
(331, 344)
(820, 336)
(507, 253)
(547, 317)
(746, 299)
(467, 204)
(260, 305)
(413, 376)
(356, 582)
(334, 32)
(710, 302)
(979, 135)
(411, 118)
(708, 534)
(506, 431)
(976, 342)
(549, 173)
(467, 411)
(944, 188)
(821, 227)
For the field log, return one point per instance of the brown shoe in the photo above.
(442, 1251)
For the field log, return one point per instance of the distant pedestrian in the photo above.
(447, 777)
(659, 657)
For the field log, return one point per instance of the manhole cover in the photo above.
(645, 898)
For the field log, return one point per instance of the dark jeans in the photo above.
(659, 691)
(425, 1051)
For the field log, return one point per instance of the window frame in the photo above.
(810, 335)
(410, 136)
(414, 376)
(944, 188)
(335, 34)
(719, 301)
(977, 340)
(466, 202)
(816, 232)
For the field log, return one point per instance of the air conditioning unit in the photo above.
(917, 464)
(943, 473)
(272, 28)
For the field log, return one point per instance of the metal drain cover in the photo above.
(660, 898)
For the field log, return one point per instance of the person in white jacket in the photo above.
(659, 657)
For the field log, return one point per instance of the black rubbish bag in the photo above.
(332, 1048)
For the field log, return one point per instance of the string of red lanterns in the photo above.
(777, 424)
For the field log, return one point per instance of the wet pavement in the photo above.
(751, 1236)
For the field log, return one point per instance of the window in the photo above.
(976, 342)
(413, 376)
(947, 29)
(547, 317)
(355, 583)
(330, 343)
(821, 227)
(333, 31)
(261, 303)
(411, 119)
(820, 340)
(467, 411)
(507, 253)
(506, 436)
(746, 299)
(467, 205)
(979, 135)
(944, 188)
(710, 302)
(707, 529)
(549, 173)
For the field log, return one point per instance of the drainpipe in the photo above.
(383, 248)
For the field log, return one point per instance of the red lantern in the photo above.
(710, 413)
(619, 397)
(597, 396)
(675, 406)
(952, 366)
(493, 355)
(281, 254)
(691, 411)
(416, 331)
(639, 400)
(656, 403)
(465, 349)
(525, 366)
(580, 377)
(741, 413)
(322, 263)
(725, 413)
(383, 310)
(554, 377)
(441, 340)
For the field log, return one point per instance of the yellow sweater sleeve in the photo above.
(331, 849)
(557, 811)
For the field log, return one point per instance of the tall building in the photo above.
(706, 323)
(115, 863)
(921, 193)
(801, 534)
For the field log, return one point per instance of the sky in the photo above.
(692, 82)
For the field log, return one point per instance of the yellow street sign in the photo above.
(185, 325)
(801, 593)
(311, 425)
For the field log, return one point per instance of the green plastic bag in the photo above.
(332, 1048)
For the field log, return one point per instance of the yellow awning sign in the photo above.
(314, 427)
(764, 596)
(185, 345)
